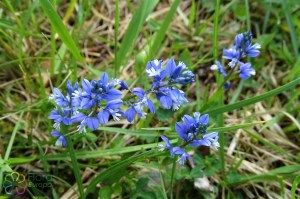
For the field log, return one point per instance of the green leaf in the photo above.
(133, 30)
(111, 171)
(104, 152)
(163, 29)
(273, 175)
(295, 185)
(128, 132)
(105, 192)
(20, 160)
(240, 104)
(62, 31)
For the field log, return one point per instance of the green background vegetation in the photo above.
(45, 43)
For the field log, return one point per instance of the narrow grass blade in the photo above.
(294, 186)
(111, 171)
(75, 165)
(104, 152)
(291, 26)
(129, 132)
(117, 18)
(133, 30)
(163, 29)
(240, 104)
(284, 172)
(57, 23)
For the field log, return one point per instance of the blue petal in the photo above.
(170, 66)
(78, 117)
(103, 117)
(86, 103)
(177, 150)
(139, 92)
(55, 133)
(114, 104)
(188, 120)
(204, 119)
(92, 123)
(112, 94)
(181, 130)
(129, 114)
(227, 85)
(166, 102)
(176, 72)
(166, 140)
(67, 121)
(151, 106)
(86, 85)
(61, 141)
(104, 79)
(123, 85)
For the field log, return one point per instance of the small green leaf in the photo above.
(60, 28)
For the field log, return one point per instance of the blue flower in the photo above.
(59, 98)
(167, 145)
(60, 117)
(218, 66)
(171, 98)
(232, 54)
(61, 141)
(97, 90)
(246, 71)
(112, 108)
(123, 85)
(138, 106)
(186, 77)
(176, 73)
(155, 71)
(192, 127)
(174, 70)
(244, 44)
(71, 89)
(227, 85)
(183, 156)
(210, 139)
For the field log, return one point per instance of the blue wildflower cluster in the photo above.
(96, 101)
(193, 132)
(242, 48)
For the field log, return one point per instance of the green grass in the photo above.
(45, 43)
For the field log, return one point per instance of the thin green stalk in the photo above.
(117, 18)
(248, 15)
(220, 118)
(289, 19)
(74, 162)
(172, 178)
(10, 145)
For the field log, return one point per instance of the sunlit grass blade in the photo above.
(75, 168)
(63, 33)
(294, 186)
(252, 100)
(104, 152)
(160, 35)
(129, 132)
(133, 30)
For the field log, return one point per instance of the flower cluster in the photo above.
(96, 101)
(193, 132)
(242, 48)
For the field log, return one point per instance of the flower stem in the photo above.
(74, 161)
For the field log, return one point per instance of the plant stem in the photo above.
(74, 161)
